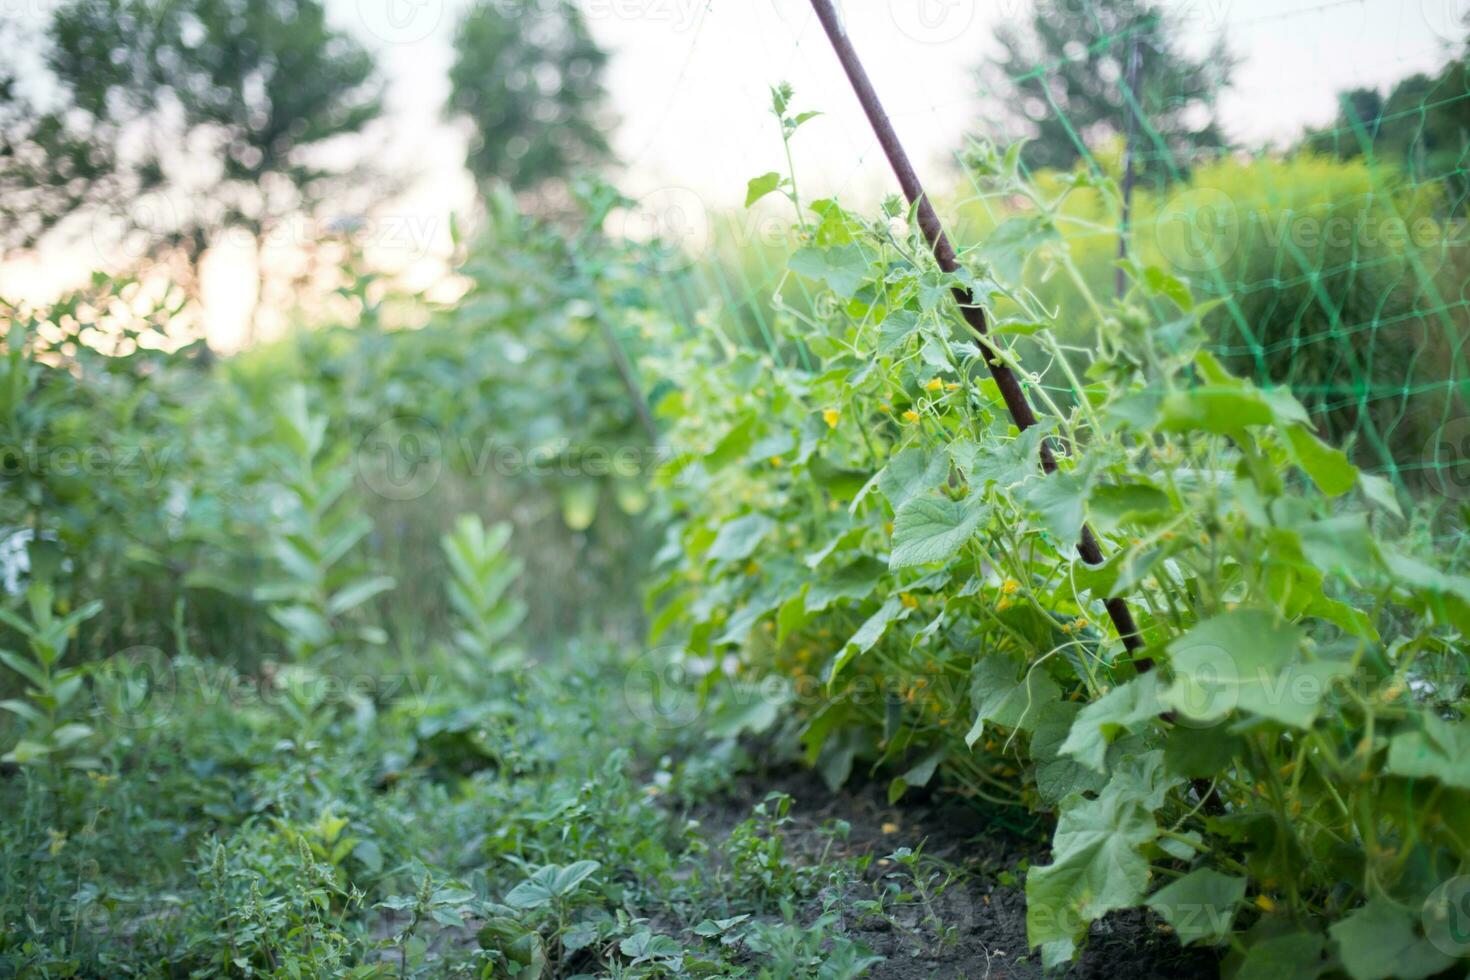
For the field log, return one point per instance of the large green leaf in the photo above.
(1247, 660)
(1097, 860)
(1004, 694)
(842, 267)
(1437, 749)
(854, 580)
(930, 529)
(1100, 722)
(739, 538)
(1380, 940)
(1201, 905)
(910, 473)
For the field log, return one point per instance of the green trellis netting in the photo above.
(1338, 264)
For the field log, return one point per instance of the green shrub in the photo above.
(870, 540)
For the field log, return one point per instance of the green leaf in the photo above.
(856, 580)
(1247, 660)
(1201, 905)
(896, 329)
(1379, 940)
(1102, 720)
(1059, 776)
(1001, 698)
(566, 879)
(1290, 955)
(1329, 468)
(25, 668)
(1097, 866)
(842, 267)
(23, 710)
(1380, 491)
(26, 752)
(733, 445)
(1162, 283)
(1437, 750)
(351, 596)
(1061, 500)
(1222, 410)
(867, 634)
(930, 529)
(739, 538)
(1007, 247)
(910, 473)
(760, 186)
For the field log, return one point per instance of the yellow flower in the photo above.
(890, 828)
(911, 416)
(776, 461)
(952, 386)
(1009, 586)
(1265, 904)
(830, 416)
(887, 408)
(935, 384)
(1081, 623)
(1003, 605)
(909, 601)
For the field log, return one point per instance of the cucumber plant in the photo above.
(860, 525)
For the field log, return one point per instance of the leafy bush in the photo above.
(873, 533)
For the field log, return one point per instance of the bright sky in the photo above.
(689, 82)
(689, 78)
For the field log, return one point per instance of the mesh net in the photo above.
(1336, 262)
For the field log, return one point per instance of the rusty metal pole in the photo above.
(1005, 379)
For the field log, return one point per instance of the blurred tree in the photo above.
(170, 124)
(1422, 125)
(1063, 76)
(527, 76)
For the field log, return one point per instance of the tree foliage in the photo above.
(175, 122)
(1064, 81)
(530, 83)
